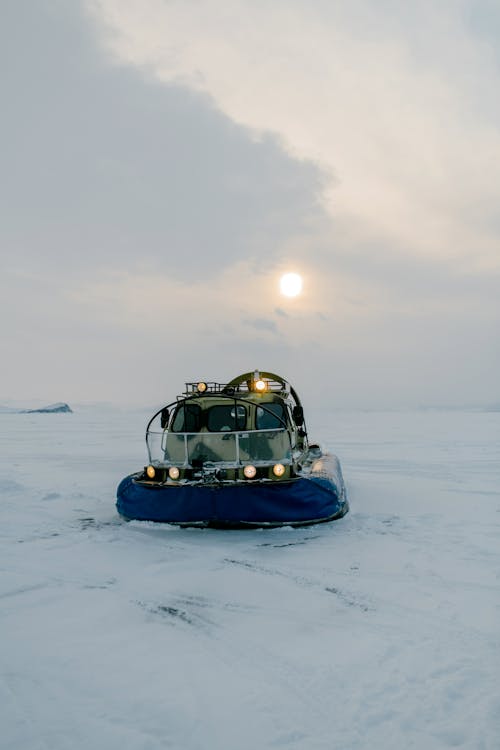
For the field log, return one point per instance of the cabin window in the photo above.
(187, 418)
(270, 418)
(228, 418)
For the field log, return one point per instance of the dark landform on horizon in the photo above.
(58, 408)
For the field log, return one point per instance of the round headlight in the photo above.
(202, 387)
(260, 385)
(173, 472)
(278, 470)
(249, 471)
(150, 471)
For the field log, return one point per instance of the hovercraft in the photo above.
(234, 455)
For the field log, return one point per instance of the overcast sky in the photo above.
(164, 161)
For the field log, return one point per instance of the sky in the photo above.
(164, 162)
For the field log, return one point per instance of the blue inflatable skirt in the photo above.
(319, 496)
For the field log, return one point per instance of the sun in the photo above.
(291, 284)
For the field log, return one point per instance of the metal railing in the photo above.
(226, 449)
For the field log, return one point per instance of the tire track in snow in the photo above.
(347, 598)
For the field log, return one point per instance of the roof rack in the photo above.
(210, 387)
(250, 382)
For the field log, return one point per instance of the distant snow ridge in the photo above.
(51, 409)
(58, 408)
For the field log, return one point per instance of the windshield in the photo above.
(270, 417)
(228, 417)
(187, 418)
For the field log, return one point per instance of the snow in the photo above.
(381, 630)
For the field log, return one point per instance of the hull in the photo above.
(318, 495)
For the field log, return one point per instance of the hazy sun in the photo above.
(291, 284)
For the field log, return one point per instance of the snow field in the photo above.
(381, 630)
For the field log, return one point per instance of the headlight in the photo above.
(260, 385)
(150, 471)
(202, 387)
(278, 470)
(249, 472)
(173, 472)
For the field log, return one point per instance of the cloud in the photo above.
(262, 324)
(104, 168)
(158, 183)
(399, 102)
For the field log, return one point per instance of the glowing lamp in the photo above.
(202, 387)
(173, 472)
(249, 471)
(150, 471)
(260, 385)
(278, 470)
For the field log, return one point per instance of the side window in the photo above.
(187, 418)
(226, 418)
(270, 418)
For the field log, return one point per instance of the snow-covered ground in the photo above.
(379, 631)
